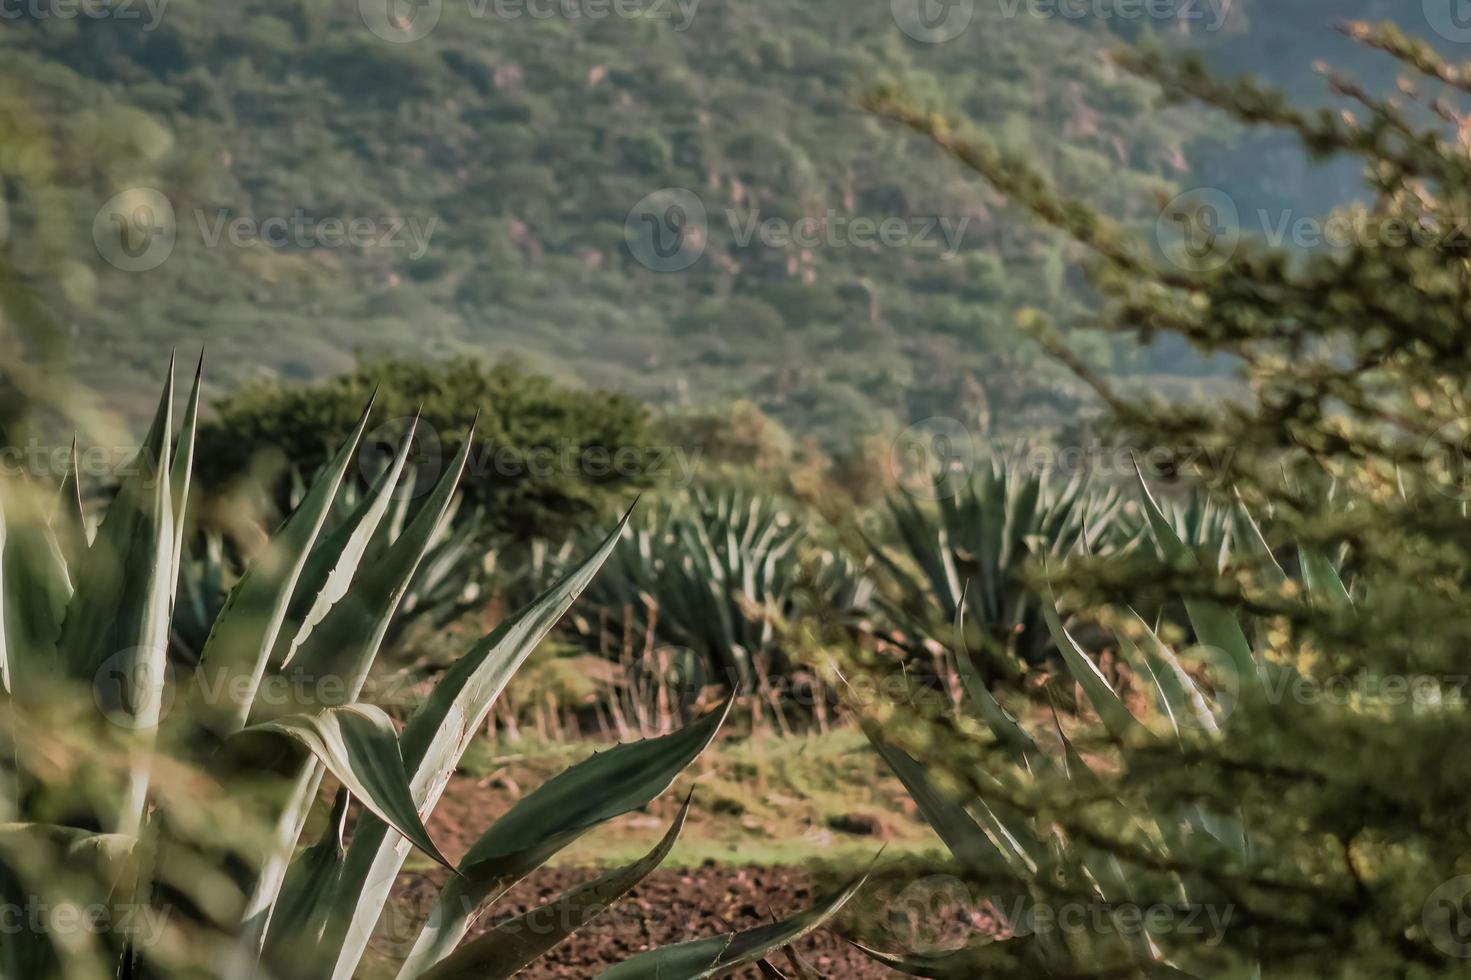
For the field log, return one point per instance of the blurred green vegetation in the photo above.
(519, 147)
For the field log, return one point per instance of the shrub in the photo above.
(551, 459)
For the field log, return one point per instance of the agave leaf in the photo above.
(235, 655)
(607, 785)
(114, 607)
(718, 956)
(1111, 709)
(977, 960)
(183, 466)
(359, 745)
(69, 520)
(335, 559)
(510, 946)
(433, 742)
(994, 859)
(1324, 586)
(1249, 538)
(1214, 625)
(306, 894)
(341, 649)
(1176, 688)
(115, 632)
(34, 590)
(1006, 728)
(344, 644)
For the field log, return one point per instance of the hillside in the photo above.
(485, 189)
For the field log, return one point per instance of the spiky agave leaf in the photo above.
(607, 785)
(505, 950)
(433, 742)
(237, 653)
(718, 956)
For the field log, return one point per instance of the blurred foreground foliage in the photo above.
(1319, 804)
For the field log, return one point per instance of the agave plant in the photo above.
(307, 617)
(973, 547)
(1024, 861)
(450, 579)
(713, 574)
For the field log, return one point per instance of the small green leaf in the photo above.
(718, 956)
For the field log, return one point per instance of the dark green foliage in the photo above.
(550, 459)
(978, 545)
(717, 573)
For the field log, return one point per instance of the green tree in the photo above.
(1324, 814)
(550, 458)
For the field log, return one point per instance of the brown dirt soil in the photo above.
(670, 906)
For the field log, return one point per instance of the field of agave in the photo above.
(1199, 719)
(147, 706)
(133, 784)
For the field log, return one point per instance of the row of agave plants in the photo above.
(725, 574)
(137, 790)
(700, 586)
